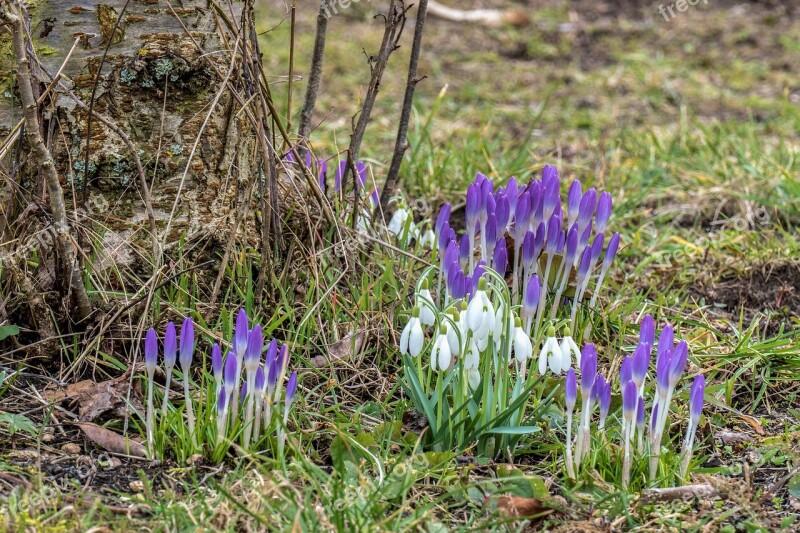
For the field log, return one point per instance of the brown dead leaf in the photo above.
(112, 442)
(96, 399)
(755, 424)
(519, 507)
(345, 348)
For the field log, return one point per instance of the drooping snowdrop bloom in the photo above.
(428, 239)
(427, 308)
(568, 350)
(441, 355)
(412, 338)
(480, 312)
(550, 355)
(402, 226)
(451, 323)
(523, 348)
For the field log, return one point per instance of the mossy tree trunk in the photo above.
(176, 141)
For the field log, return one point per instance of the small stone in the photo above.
(71, 448)
(136, 486)
(195, 459)
(47, 438)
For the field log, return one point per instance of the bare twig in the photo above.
(14, 15)
(401, 142)
(315, 75)
(291, 67)
(394, 21)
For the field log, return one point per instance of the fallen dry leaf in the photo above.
(112, 442)
(96, 399)
(519, 507)
(345, 348)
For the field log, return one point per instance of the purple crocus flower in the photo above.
(574, 196)
(662, 372)
(677, 363)
(605, 402)
(445, 236)
(361, 174)
(231, 372)
(641, 362)
(529, 248)
(464, 249)
(502, 212)
(442, 218)
(272, 375)
(603, 211)
(630, 398)
(222, 403)
(597, 247)
(666, 342)
(570, 390)
(338, 175)
(500, 257)
(584, 267)
(473, 205)
(588, 369)
(583, 237)
(260, 380)
(291, 388)
(217, 365)
(241, 333)
(530, 300)
(696, 396)
(323, 173)
(640, 415)
(170, 346)
(611, 251)
(186, 344)
(538, 243)
(272, 353)
(654, 418)
(586, 208)
(550, 196)
(572, 248)
(625, 372)
(598, 388)
(512, 193)
(150, 352)
(522, 216)
(553, 234)
(255, 343)
(283, 357)
(490, 237)
(647, 330)
(375, 196)
(243, 393)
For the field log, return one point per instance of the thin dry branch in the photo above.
(315, 75)
(14, 15)
(401, 142)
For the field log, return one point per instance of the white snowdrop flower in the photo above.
(523, 348)
(482, 342)
(452, 333)
(440, 354)
(401, 220)
(472, 358)
(474, 378)
(412, 338)
(427, 239)
(424, 300)
(550, 354)
(480, 311)
(568, 349)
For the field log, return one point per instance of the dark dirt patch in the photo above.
(769, 289)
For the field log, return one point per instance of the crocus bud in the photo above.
(641, 362)
(473, 206)
(597, 247)
(260, 379)
(255, 343)
(572, 247)
(570, 389)
(662, 372)
(442, 218)
(677, 363)
(625, 372)
(640, 414)
(584, 267)
(588, 369)
(272, 353)
(243, 394)
(522, 216)
(291, 388)
(500, 257)
(531, 298)
(231, 372)
(603, 211)
(222, 402)
(217, 366)
(361, 174)
(150, 352)
(502, 213)
(630, 398)
(604, 401)
(464, 249)
(186, 344)
(574, 197)
(272, 375)
(337, 176)
(553, 234)
(491, 232)
(170, 347)
(283, 356)
(696, 396)
(665, 342)
(647, 331)
(611, 251)
(241, 333)
(528, 248)
(586, 208)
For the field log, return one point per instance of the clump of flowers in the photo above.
(485, 329)
(638, 441)
(248, 400)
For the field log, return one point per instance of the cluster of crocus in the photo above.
(254, 400)
(595, 390)
(244, 402)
